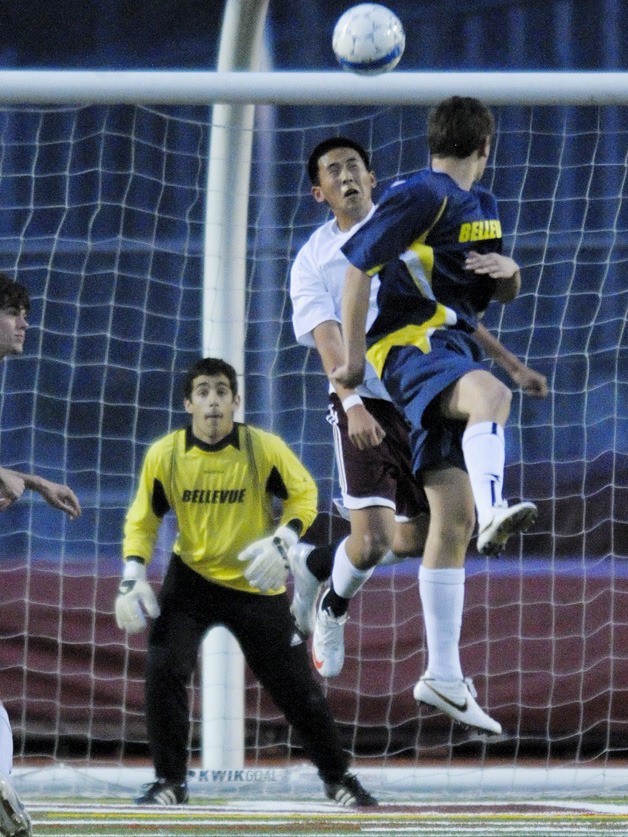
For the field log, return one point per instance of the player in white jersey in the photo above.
(14, 307)
(386, 505)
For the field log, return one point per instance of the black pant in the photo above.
(264, 627)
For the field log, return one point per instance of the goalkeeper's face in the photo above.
(212, 406)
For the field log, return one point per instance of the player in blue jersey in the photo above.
(435, 244)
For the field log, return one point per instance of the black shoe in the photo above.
(163, 793)
(348, 791)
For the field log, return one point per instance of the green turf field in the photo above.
(312, 819)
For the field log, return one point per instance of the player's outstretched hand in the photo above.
(135, 595)
(60, 496)
(268, 559)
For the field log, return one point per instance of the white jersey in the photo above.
(317, 279)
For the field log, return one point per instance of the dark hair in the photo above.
(458, 126)
(211, 366)
(12, 294)
(328, 145)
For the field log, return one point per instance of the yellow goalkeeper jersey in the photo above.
(222, 496)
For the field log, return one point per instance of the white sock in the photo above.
(485, 456)
(6, 743)
(442, 599)
(345, 578)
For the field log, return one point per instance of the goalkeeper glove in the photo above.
(268, 568)
(134, 593)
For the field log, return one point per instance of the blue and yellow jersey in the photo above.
(222, 496)
(416, 241)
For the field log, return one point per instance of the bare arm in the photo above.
(531, 382)
(11, 488)
(328, 339)
(57, 495)
(355, 304)
(364, 430)
(502, 268)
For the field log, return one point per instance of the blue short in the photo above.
(415, 379)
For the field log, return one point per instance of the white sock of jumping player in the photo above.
(6, 743)
(345, 578)
(442, 600)
(485, 456)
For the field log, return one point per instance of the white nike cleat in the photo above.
(328, 643)
(306, 588)
(14, 821)
(456, 698)
(507, 521)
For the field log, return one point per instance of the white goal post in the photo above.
(225, 300)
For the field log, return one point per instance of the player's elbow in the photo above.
(508, 289)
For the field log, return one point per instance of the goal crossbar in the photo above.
(312, 88)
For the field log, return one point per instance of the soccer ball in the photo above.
(368, 39)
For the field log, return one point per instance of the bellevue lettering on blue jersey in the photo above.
(480, 230)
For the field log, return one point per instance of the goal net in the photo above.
(101, 216)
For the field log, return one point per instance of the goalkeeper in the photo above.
(228, 567)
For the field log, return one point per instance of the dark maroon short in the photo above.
(379, 476)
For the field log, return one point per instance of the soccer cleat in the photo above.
(328, 642)
(348, 791)
(507, 521)
(306, 588)
(456, 698)
(163, 793)
(14, 821)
